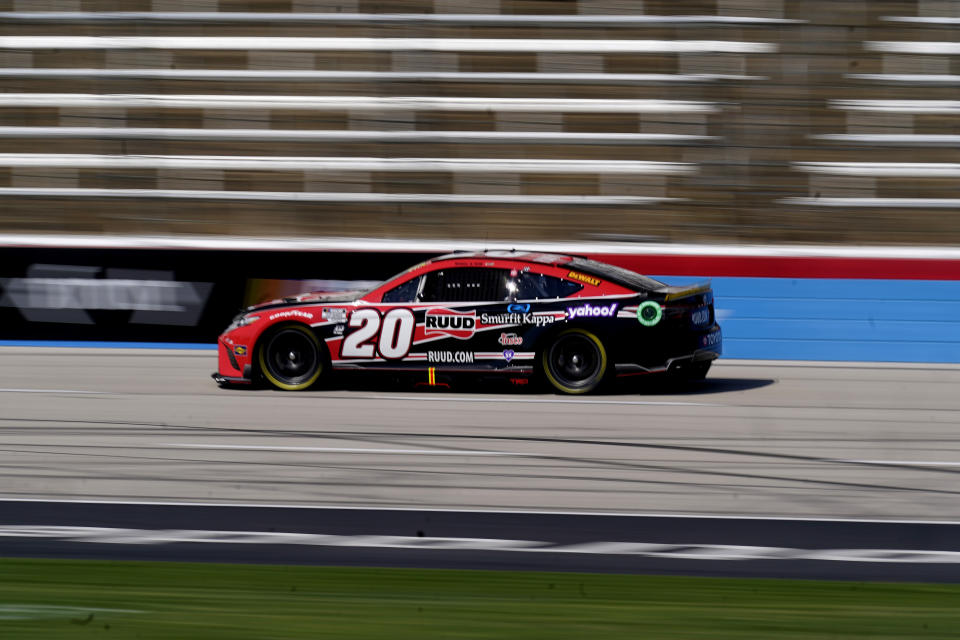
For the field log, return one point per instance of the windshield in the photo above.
(619, 275)
(395, 278)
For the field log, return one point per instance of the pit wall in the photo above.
(868, 305)
(870, 308)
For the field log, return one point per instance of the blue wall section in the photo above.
(826, 319)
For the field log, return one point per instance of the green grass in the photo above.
(179, 600)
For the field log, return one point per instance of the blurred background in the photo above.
(731, 121)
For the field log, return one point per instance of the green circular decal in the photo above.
(649, 313)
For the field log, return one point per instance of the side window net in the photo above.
(465, 284)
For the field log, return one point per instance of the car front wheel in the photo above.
(291, 358)
(575, 362)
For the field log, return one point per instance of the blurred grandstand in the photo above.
(712, 121)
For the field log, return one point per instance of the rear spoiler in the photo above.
(674, 293)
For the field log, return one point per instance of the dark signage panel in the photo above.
(161, 295)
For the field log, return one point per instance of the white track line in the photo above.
(421, 398)
(919, 463)
(429, 452)
(50, 391)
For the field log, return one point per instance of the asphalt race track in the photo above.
(810, 443)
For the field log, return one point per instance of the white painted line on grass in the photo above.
(47, 611)
(50, 391)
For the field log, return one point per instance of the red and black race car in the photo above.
(576, 322)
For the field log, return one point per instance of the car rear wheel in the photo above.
(292, 358)
(575, 362)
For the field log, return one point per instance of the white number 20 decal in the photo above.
(395, 329)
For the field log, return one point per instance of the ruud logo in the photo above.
(450, 323)
(65, 293)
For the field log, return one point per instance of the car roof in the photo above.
(536, 257)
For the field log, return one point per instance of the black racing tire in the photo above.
(575, 361)
(291, 358)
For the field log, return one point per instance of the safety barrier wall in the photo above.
(771, 306)
(823, 308)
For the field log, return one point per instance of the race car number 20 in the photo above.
(388, 336)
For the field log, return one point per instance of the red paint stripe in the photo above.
(787, 267)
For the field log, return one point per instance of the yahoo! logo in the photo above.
(592, 311)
